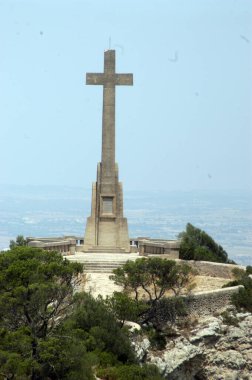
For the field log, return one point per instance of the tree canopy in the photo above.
(149, 280)
(196, 244)
(19, 242)
(152, 277)
(47, 331)
(99, 330)
(36, 289)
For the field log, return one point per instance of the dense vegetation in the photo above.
(145, 283)
(198, 245)
(19, 242)
(242, 299)
(47, 332)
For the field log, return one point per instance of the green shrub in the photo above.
(92, 322)
(156, 338)
(133, 372)
(107, 359)
(243, 299)
(231, 283)
(249, 269)
(196, 244)
(123, 307)
(204, 254)
(229, 319)
(19, 242)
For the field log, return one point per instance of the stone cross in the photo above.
(106, 228)
(109, 79)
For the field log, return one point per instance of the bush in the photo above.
(20, 242)
(133, 372)
(164, 312)
(249, 269)
(157, 339)
(231, 283)
(92, 322)
(229, 319)
(150, 279)
(124, 307)
(36, 294)
(198, 245)
(242, 299)
(204, 254)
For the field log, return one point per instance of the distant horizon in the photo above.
(87, 188)
(63, 210)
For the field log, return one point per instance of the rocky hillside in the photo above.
(213, 348)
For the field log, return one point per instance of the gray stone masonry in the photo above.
(208, 303)
(107, 229)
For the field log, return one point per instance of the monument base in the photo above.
(107, 229)
(106, 235)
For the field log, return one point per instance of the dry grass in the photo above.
(207, 283)
(99, 283)
(198, 284)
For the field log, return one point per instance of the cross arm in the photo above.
(109, 79)
(124, 79)
(95, 78)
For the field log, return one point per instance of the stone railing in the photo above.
(148, 247)
(65, 245)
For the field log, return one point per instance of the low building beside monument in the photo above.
(147, 246)
(70, 245)
(65, 245)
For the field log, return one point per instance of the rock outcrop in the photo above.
(216, 348)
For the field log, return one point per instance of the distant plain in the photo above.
(58, 211)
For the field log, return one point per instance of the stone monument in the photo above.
(107, 229)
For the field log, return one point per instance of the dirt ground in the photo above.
(206, 283)
(99, 283)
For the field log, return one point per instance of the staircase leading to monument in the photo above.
(107, 249)
(99, 262)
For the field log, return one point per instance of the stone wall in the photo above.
(202, 304)
(204, 268)
(207, 268)
(205, 303)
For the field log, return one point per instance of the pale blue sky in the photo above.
(186, 122)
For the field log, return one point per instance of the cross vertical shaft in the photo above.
(108, 120)
(109, 79)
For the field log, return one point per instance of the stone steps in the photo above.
(107, 249)
(102, 262)
(103, 256)
(101, 267)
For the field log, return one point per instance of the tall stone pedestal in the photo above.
(107, 229)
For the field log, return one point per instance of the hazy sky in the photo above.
(185, 124)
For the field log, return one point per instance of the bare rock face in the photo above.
(210, 329)
(178, 361)
(141, 347)
(216, 348)
(231, 357)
